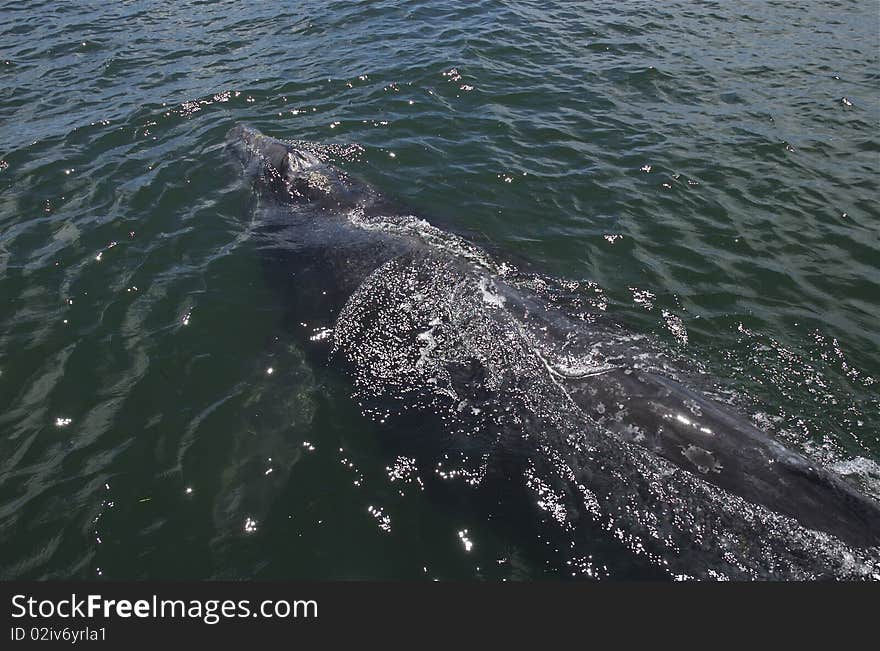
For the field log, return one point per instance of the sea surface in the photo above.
(711, 168)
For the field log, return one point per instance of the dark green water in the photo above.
(713, 168)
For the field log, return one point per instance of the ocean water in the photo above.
(711, 168)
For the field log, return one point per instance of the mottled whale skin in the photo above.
(609, 437)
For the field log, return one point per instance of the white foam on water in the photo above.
(866, 470)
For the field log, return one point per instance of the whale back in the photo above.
(465, 356)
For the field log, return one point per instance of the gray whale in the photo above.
(609, 439)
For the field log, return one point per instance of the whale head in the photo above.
(293, 172)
